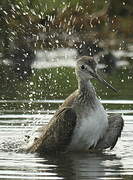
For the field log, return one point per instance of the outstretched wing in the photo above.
(113, 132)
(57, 134)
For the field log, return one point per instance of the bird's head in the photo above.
(86, 69)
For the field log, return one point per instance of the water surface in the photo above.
(14, 124)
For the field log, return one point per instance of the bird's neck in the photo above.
(87, 94)
(86, 87)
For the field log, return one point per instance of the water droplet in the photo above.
(31, 83)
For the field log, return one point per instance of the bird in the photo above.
(81, 124)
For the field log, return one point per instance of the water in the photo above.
(14, 124)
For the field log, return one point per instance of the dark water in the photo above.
(14, 124)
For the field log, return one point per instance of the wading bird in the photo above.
(81, 123)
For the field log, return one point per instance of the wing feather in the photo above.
(113, 132)
(57, 134)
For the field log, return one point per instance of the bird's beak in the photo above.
(98, 77)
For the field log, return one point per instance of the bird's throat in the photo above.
(87, 94)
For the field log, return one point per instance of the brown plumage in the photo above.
(57, 135)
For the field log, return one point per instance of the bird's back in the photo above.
(70, 99)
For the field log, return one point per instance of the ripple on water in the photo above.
(115, 164)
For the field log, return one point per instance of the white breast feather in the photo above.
(89, 129)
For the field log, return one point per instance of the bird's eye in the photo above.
(82, 66)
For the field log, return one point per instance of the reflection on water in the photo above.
(115, 164)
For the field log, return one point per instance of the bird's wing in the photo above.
(113, 132)
(57, 134)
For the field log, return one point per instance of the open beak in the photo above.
(98, 77)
